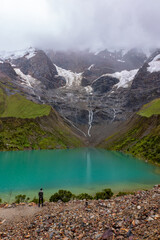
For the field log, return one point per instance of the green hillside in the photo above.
(19, 107)
(149, 109)
(140, 136)
(27, 125)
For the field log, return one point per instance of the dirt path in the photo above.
(19, 212)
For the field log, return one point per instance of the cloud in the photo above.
(79, 24)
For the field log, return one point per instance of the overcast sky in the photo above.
(71, 24)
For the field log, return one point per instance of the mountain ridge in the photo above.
(86, 100)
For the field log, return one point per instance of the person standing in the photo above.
(40, 197)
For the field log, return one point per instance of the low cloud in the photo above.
(79, 24)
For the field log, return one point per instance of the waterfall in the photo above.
(114, 114)
(90, 121)
(90, 114)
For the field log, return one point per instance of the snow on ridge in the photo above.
(121, 61)
(28, 53)
(1, 61)
(154, 65)
(88, 89)
(27, 79)
(72, 79)
(91, 66)
(125, 77)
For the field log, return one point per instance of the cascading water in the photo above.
(114, 114)
(90, 121)
(90, 116)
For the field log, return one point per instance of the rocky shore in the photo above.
(127, 217)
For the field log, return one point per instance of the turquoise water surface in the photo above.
(78, 170)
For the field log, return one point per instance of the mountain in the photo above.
(146, 84)
(28, 125)
(92, 91)
(97, 93)
(140, 135)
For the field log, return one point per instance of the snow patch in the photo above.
(28, 53)
(72, 79)
(1, 61)
(154, 65)
(91, 66)
(121, 61)
(27, 79)
(124, 52)
(88, 89)
(125, 77)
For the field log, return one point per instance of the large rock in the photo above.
(8, 70)
(104, 84)
(41, 68)
(145, 86)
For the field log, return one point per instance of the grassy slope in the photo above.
(19, 107)
(27, 125)
(150, 109)
(140, 136)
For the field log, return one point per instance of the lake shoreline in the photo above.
(135, 216)
(78, 170)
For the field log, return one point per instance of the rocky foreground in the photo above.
(128, 217)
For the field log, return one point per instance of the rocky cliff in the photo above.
(91, 91)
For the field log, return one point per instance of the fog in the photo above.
(79, 24)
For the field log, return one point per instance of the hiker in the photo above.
(40, 197)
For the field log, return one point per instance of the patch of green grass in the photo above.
(124, 193)
(149, 109)
(20, 107)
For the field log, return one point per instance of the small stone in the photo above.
(138, 207)
(157, 216)
(107, 234)
(51, 235)
(28, 236)
(97, 236)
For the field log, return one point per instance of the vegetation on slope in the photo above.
(27, 125)
(140, 136)
(40, 133)
(19, 107)
(151, 108)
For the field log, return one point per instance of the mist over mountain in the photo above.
(78, 24)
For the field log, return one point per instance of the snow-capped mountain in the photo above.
(27, 53)
(88, 89)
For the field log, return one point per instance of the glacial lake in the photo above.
(77, 170)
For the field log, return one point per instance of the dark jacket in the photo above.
(40, 194)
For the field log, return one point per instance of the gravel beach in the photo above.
(128, 217)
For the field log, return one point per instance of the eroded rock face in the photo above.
(146, 84)
(96, 91)
(41, 68)
(97, 99)
(7, 69)
(104, 84)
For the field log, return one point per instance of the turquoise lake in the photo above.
(78, 170)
